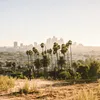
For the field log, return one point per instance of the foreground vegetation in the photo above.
(6, 83)
(59, 90)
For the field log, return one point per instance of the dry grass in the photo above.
(6, 83)
(83, 91)
(27, 89)
(86, 95)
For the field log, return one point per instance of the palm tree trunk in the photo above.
(70, 57)
(51, 62)
(42, 50)
(28, 61)
(57, 60)
(45, 48)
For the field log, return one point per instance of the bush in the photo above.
(83, 71)
(27, 89)
(65, 75)
(93, 69)
(77, 76)
(18, 75)
(6, 83)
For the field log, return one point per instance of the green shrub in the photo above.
(83, 71)
(65, 75)
(93, 69)
(77, 76)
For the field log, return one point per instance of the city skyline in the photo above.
(29, 21)
(48, 42)
(19, 43)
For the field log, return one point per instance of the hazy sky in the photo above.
(28, 21)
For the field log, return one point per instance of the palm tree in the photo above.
(37, 64)
(64, 49)
(36, 56)
(31, 69)
(56, 47)
(42, 46)
(45, 61)
(27, 53)
(30, 54)
(61, 62)
(36, 53)
(49, 51)
(70, 43)
(68, 60)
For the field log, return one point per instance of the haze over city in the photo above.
(29, 21)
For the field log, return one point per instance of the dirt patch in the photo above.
(48, 90)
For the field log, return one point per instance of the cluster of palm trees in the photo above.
(57, 58)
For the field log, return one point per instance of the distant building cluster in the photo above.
(49, 44)
(78, 50)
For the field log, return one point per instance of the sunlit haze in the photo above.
(29, 21)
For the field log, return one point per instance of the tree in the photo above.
(37, 64)
(49, 51)
(42, 46)
(14, 66)
(45, 61)
(70, 43)
(64, 49)
(93, 69)
(27, 53)
(61, 62)
(36, 53)
(83, 71)
(30, 55)
(56, 47)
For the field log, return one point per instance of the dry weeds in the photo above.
(49, 91)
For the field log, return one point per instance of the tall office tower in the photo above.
(21, 45)
(15, 44)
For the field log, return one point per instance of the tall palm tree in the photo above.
(37, 64)
(27, 53)
(68, 60)
(70, 43)
(42, 46)
(64, 49)
(36, 56)
(36, 53)
(45, 61)
(30, 54)
(49, 51)
(31, 67)
(56, 47)
(62, 62)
